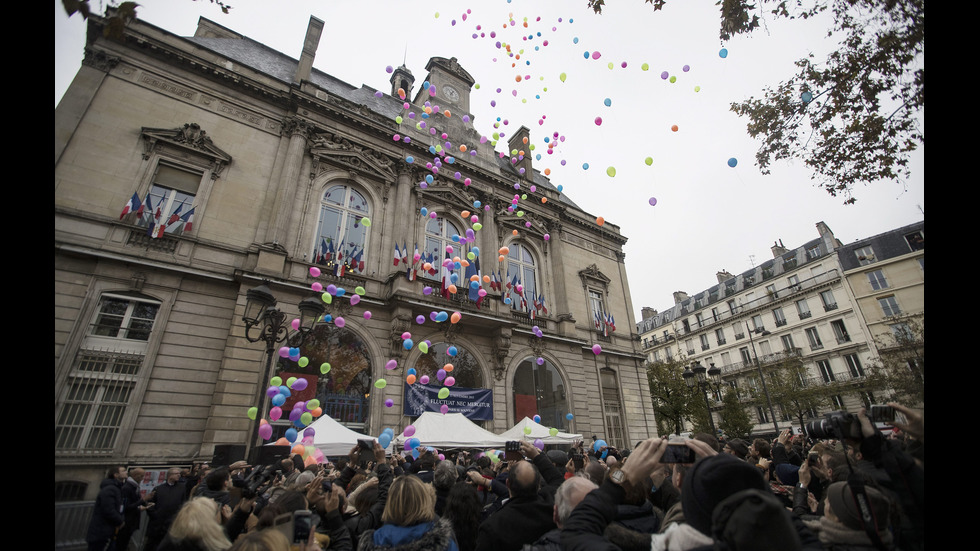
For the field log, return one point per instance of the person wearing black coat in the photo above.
(529, 512)
(132, 506)
(107, 518)
(163, 504)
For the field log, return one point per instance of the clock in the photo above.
(450, 93)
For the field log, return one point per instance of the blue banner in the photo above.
(475, 403)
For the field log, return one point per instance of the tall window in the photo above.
(780, 318)
(726, 359)
(613, 406)
(829, 302)
(793, 280)
(341, 239)
(757, 323)
(889, 306)
(840, 331)
(700, 319)
(762, 414)
(854, 365)
(344, 391)
(765, 348)
(813, 336)
(746, 358)
(877, 280)
(540, 390)
(803, 309)
(598, 309)
(520, 267)
(172, 192)
(837, 401)
(103, 376)
(788, 345)
(704, 342)
(720, 336)
(439, 234)
(739, 333)
(715, 315)
(823, 366)
(732, 307)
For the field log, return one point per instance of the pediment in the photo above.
(189, 138)
(340, 151)
(592, 273)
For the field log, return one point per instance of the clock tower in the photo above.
(452, 82)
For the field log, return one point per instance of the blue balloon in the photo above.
(411, 371)
(537, 418)
(291, 434)
(424, 211)
(408, 344)
(723, 53)
(452, 351)
(278, 400)
(732, 162)
(598, 444)
(569, 416)
(340, 291)
(414, 443)
(607, 102)
(585, 166)
(384, 440)
(806, 97)
(575, 40)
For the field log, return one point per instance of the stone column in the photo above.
(282, 211)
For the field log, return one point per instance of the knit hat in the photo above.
(712, 479)
(845, 506)
(788, 474)
(739, 446)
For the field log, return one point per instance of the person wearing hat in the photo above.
(737, 447)
(842, 526)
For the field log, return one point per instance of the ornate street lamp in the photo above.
(694, 376)
(261, 313)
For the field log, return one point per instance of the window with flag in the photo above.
(340, 243)
(603, 321)
(439, 234)
(102, 382)
(168, 207)
(522, 278)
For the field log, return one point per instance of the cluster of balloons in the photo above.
(302, 415)
(332, 291)
(537, 332)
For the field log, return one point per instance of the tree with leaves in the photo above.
(792, 390)
(734, 420)
(852, 118)
(900, 366)
(117, 16)
(671, 396)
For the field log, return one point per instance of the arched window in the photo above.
(344, 391)
(340, 243)
(521, 271)
(466, 370)
(439, 234)
(540, 390)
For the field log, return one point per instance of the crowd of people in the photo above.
(857, 489)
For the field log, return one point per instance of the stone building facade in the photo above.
(266, 167)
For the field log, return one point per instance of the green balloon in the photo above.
(527, 430)
(359, 290)
(673, 79)
(424, 348)
(253, 412)
(553, 431)
(325, 368)
(611, 171)
(398, 119)
(306, 418)
(313, 404)
(645, 66)
(520, 214)
(477, 227)
(276, 381)
(326, 297)
(304, 361)
(380, 383)
(366, 222)
(290, 381)
(443, 393)
(648, 161)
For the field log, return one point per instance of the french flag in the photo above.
(133, 205)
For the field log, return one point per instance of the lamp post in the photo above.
(761, 377)
(261, 312)
(694, 376)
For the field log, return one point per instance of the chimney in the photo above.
(402, 78)
(680, 296)
(778, 249)
(648, 312)
(521, 141)
(310, 44)
(723, 276)
(827, 236)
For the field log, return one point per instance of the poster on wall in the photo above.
(474, 403)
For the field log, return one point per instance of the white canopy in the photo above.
(452, 430)
(332, 438)
(539, 431)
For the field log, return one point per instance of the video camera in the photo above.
(259, 476)
(841, 424)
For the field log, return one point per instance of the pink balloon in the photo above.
(317, 286)
(339, 322)
(354, 299)
(275, 413)
(314, 271)
(444, 409)
(265, 432)
(409, 430)
(450, 381)
(596, 349)
(295, 324)
(424, 379)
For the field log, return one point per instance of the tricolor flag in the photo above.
(611, 322)
(446, 274)
(188, 218)
(357, 261)
(133, 205)
(398, 255)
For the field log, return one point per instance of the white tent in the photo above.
(539, 431)
(452, 430)
(332, 438)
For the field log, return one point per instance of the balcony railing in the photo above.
(805, 315)
(843, 339)
(721, 342)
(704, 347)
(829, 307)
(780, 322)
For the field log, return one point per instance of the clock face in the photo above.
(450, 93)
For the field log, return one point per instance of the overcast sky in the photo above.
(708, 216)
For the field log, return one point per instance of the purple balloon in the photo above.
(420, 319)
(300, 384)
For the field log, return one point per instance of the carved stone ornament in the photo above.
(536, 344)
(594, 276)
(338, 150)
(398, 326)
(190, 138)
(499, 349)
(100, 60)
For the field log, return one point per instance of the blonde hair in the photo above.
(263, 540)
(410, 501)
(197, 521)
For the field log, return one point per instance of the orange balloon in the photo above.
(474, 277)
(401, 92)
(514, 232)
(517, 78)
(455, 259)
(427, 266)
(544, 199)
(525, 139)
(600, 220)
(448, 368)
(317, 412)
(547, 172)
(298, 449)
(465, 214)
(447, 113)
(462, 148)
(309, 461)
(500, 258)
(410, 379)
(504, 250)
(282, 442)
(486, 279)
(452, 289)
(674, 128)
(455, 317)
(464, 263)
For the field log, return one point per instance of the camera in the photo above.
(259, 476)
(512, 450)
(836, 424)
(678, 452)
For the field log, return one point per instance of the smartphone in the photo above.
(812, 459)
(578, 461)
(367, 449)
(512, 451)
(678, 452)
(327, 486)
(882, 414)
(302, 524)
